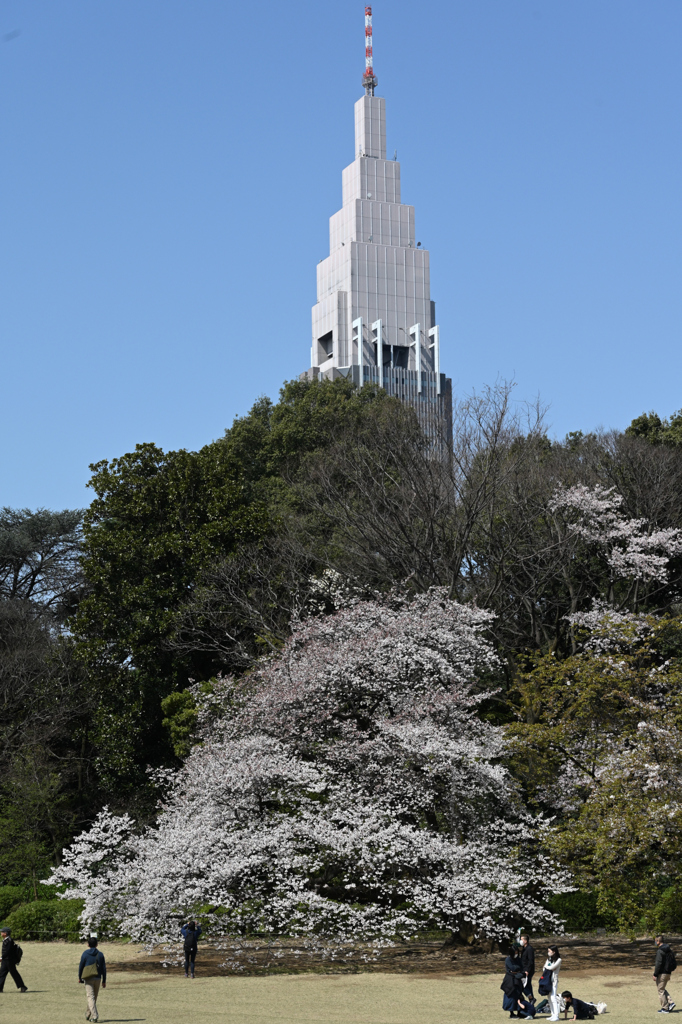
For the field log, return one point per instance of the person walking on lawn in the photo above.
(190, 933)
(663, 968)
(9, 961)
(528, 966)
(92, 971)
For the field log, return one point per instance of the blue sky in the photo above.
(168, 170)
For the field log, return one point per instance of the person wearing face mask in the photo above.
(512, 984)
(552, 968)
(528, 965)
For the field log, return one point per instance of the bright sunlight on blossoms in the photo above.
(344, 789)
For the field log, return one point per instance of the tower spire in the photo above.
(369, 80)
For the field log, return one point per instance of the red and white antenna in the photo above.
(369, 80)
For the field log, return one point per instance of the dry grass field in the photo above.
(55, 997)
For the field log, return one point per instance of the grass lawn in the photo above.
(51, 972)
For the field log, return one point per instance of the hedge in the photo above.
(45, 920)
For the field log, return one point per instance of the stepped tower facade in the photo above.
(374, 319)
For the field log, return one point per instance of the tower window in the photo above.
(400, 355)
(326, 344)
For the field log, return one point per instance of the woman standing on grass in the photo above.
(91, 972)
(553, 964)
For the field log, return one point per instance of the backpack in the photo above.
(670, 962)
(17, 953)
(191, 941)
(545, 983)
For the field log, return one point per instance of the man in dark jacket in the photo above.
(528, 966)
(8, 962)
(665, 965)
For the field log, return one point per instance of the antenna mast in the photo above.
(369, 80)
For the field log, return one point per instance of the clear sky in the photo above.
(168, 170)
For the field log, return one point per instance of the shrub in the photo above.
(45, 920)
(10, 896)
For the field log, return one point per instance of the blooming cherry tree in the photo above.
(633, 550)
(345, 789)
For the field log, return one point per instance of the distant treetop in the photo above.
(652, 428)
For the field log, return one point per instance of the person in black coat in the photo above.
(513, 981)
(8, 964)
(528, 965)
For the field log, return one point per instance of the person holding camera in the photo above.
(190, 933)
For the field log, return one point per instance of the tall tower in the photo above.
(374, 319)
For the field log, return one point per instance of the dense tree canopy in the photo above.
(44, 704)
(598, 742)
(158, 522)
(195, 619)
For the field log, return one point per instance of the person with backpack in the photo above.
(190, 933)
(663, 968)
(92, 971)
(9, 958)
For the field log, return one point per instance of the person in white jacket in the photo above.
(553, 964)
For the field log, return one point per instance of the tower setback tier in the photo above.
(374, 320)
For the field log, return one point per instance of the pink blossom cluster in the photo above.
(605, 629)
(633, 549)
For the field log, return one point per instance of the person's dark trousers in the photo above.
(528, 988)
(7, 968)
(190, 957)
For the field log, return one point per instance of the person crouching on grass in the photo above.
(91, 972)
(581, 1010)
